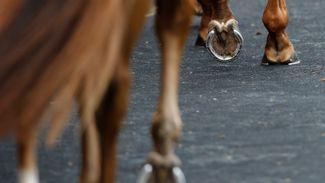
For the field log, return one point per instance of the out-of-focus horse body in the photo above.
(70, 50)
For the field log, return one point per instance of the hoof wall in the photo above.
(294, 60)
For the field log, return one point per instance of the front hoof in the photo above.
(224, 40)
(162, 169)
(149, 174)
(294, 60)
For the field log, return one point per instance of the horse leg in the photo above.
(113, 106)
(90, 170)
(217, 10)
(217, 17)
(27, 160)
(172, 24)
(279, 48)
(109, 119)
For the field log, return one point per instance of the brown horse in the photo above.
(62, 51)
(70, 50)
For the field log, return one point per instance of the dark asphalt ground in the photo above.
(244, 123)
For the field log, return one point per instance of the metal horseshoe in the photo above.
(209, 44)
(147, 171)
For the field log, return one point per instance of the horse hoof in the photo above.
(179, 175)
(147, 175)
(224, 40)
(294, 60)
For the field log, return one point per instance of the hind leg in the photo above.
(27, 161)
(218, 18)
(112, 109)
(172, 25)
(112, 104)
(109, 119)
(90, 170)
(279, 48)
(213, 10)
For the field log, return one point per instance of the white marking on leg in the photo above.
(28, 176)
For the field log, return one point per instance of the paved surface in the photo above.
(244, 123)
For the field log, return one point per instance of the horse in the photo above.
(78, 50)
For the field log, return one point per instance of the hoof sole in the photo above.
(224, 40)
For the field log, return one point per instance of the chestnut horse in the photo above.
(55, 52)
